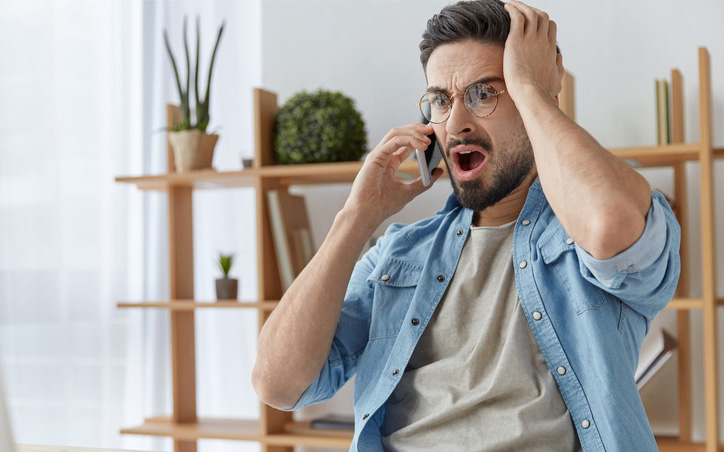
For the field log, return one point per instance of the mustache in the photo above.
(475, 141)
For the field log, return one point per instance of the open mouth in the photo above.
(469, 160)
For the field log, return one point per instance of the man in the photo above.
(512, 319)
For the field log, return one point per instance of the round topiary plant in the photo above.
(317, 127)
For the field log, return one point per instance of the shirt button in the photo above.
(585, 423)
(385, 277)
(526, 222)
(537, 315)
(460, 233)
(561, 370)
(395, 372)
(365, 416)
(441, 278)
(569, 241)
(415, 322)
(522, 264)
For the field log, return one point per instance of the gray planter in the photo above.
(226, 288)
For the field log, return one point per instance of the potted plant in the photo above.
(193, 148)
(226, 288)
(322, 126)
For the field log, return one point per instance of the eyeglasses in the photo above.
(479, 98)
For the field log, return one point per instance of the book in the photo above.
(288, 216)
(654, 353)
(663, 117)
(308, 248)
(334, 422)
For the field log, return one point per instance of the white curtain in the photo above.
(82, 92)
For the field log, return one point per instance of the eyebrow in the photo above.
(488, 79)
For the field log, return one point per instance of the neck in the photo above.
(508, 209)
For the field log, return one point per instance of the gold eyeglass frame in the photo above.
(489, 88)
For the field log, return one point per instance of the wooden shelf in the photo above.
(295, 433)
(672, 444)
(682, 304)
(306, 174)
(199, 179)
(664, 155)
(210, 428)
(345, 172)
(299, 433)
(188, 305)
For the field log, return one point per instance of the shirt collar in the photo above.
(453, 203)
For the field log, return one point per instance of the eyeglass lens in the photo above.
(479, 98)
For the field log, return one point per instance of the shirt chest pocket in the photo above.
(558, 252)
(395, 282)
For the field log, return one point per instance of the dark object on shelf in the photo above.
(226, 288)
(323, 126)
(334, 422)
(247, 163)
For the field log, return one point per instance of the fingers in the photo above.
(552, 28)
(417, 187)
(534, 21)
(517, 20)
(413, 135)
(417, 128)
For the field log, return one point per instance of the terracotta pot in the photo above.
(226, 288)
(192, 149)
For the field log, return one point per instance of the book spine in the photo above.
(284, 261)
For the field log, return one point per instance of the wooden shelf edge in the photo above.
(209, 428)
(672, 444)
(345, 172)
(188, 305)
(299, 433)
(690, 303)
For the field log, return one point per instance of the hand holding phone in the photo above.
(428, 159)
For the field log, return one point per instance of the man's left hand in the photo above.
(530, 62)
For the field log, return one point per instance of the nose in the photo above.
(461, 121)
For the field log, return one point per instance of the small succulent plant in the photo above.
(225, 261)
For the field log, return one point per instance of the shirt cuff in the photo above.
(649, 246)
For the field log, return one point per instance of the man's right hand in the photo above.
(376, 192)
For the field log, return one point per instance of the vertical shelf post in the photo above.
(683, 288)
(269, 283)
(708, 263)
(181, 276)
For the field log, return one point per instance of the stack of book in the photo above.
(663, 115)
(292, 234)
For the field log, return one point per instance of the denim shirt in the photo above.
(588, 316)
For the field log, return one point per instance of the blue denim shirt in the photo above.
(589, 316)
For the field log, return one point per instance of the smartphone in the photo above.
(428, 159)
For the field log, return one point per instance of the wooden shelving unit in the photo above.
(276, 430)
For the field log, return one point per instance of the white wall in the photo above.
(615, 50)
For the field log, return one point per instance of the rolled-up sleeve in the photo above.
(352, 333)
(645, 274)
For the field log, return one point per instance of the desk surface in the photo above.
(36, 448)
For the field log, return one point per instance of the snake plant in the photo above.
(202, 105)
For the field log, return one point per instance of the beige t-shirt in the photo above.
(477, 380)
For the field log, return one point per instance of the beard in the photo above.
(513, 161)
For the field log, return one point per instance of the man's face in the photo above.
(501, 135)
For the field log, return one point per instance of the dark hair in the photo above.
(481, 20)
